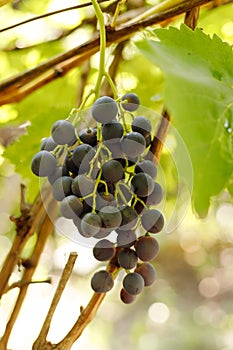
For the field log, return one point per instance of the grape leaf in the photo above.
(198, 95)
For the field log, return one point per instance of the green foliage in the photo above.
(199, 97)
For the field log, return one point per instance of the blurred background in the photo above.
(190, 306)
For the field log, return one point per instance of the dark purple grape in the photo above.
(59, 172)
(89, 136)
(103, 232)
(152, 221)
(147, 248)
(125, 238)
(43, 164)
(111, 217)
(112, 131)
(114, 148)
(104, 109)
(63, 132)
(104, 250)
(141, 125)
(146, 166)
(148, 273)
(133, 144)
(127, 258)
(102, 282)
(48, 144)
(142, 184)
(156, 195)
(71, 207)
(133, 283)
(129, 218)
(70, 164)
(112, 171)
(82, 155)
(126, 297)
(62, 187)
(104, 199)
(91, 224)
(82, 185)
(132, 102)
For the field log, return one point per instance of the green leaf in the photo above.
(199, 96)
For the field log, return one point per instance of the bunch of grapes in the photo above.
(105, 181)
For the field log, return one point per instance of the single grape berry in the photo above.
(43, 164)
(112, 131)
(112, 171)
(103, 232)
(147, 248)
(133, 144)
(59, 172)
(141, 125)
(63, 132)
(127, 258)
(125, 238)
(48, 144)
(104, 109)
(133, 283)
(104, 199)
(89, 136)
(156, 195)
(70, 164)
(130, 102)
(82, 155)
(142, 184)
(152, 221)
(82, 185)
(104, 250)
(111, 217)
(114, 148)
(71, 207)
(90, 224)
(148, 273)
(62, 187)
(126, 297)
(102, 281)
(129, 218)
(146, 166)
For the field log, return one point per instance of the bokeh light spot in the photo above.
(209, 287)
(159, 312)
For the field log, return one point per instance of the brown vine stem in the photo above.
(25, 227)
(44, 231)
(41, 340)
(191, 17)
(87, 314)
(22, 283)
(158, 141)
(16, 88)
